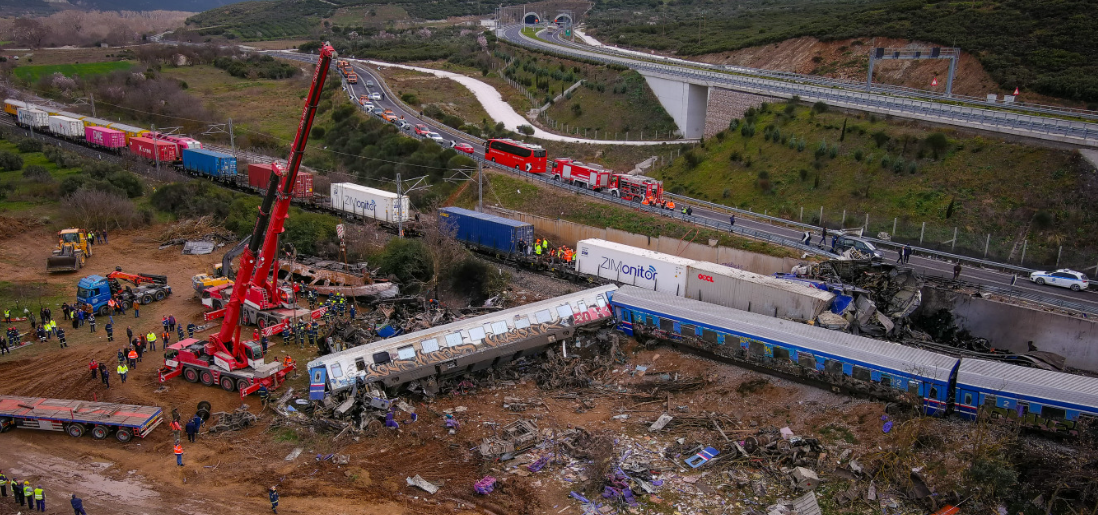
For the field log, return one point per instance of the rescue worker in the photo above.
(192, 431)
(264, 394)
(94, 367)
(176, 429)
(537, 247)
(179, 330)
(16, 491)
(40, 498)
(122, 371)
(77, 505)
(352, 308)
(171, 322)
(132, 355)
(190, 331)
(28, 494)
(313, 332)
(167, 337)
(91, 322)
(299, 334)
(109, 328)
(272, 494)
(152, 340)
(164, 322)
(140, 348)
(7, 316)
(286, 332)
(178, 449)
(263, 342)
(105, 374)
(4, 343)
(3, 484)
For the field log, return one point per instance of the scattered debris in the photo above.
(516, 436)
(294, 453)
(805, 479)
(485, 486)
(660, 422)
(427, 486)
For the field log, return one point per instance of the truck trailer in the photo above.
(78, 417)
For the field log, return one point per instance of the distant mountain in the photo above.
(40, 7)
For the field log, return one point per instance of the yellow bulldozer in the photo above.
(71, 252)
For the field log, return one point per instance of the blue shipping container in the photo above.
(496, 232)
(208, 162)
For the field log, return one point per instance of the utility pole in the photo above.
(232, 140)
(92, 97)
(156, 148)
(480, 187)
(400, 219)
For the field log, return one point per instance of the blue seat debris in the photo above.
(702, 457)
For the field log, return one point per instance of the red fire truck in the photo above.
(591, 176)
(637, 188)
(515, 154)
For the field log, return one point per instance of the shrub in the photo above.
(886, 162)
(318, 132)
(833, 151)
(880, 138)
(475, 279)
(734, 124)
(410, 99)
(409, 260)
(898, 165)
(36, 173)
(820, 107)
(938, 144)
(821, 149)
(763, 181)
(804, 174)
(577, 109)
(912, 168)
(692, 158)
(10, 162)
(28, 145)
(726, 193)
(800, 145)
(858, 155)
(526, 129)
(1042, 219)
(747, 130)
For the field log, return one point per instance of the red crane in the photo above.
(225, 359)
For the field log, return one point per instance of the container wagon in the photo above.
(214, 165)
(129, 130)
(629, 265)
(259, 176)
(95, 122)
(68, 128)
(747, 291)
(148, 148)
(102, 137)
(485, 230)
(78, 417)
(364, 202)
(32, 118)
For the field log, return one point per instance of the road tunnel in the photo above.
(532, 19)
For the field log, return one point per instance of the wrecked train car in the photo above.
(463, 346)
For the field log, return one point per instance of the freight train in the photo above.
(937, 384)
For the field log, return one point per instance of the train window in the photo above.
(913, 387)
(667, 324)
(499, 327)
(756, 348)
(488, 329)
(990, 400)
(601, 301)
(688, 330)
(522, 322)
(429, 345)
(336, 370)
(638, 317)
(861, 373)
(382, 357)
(934, 392)
(833, 366)
(781, 353)
(806, 360)
(582, 306)
(360, 364)
(453, 339)
(968, 399)
(476, 334)
(709, 335)
(1053, 413)
(544, 316)
(564, 311)
(406, 352)
(885, 380)
(318, 376)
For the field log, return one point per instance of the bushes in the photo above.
(475, 279)
(526, 129)
(256, 66)
(29, 145)
(36, 173)
(10, 162)
(409, 261)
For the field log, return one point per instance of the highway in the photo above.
(948, 111)
(718, 218)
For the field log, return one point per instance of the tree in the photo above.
(28, 31)
(880, 138)
(100, 209)
(949, 210)
(938, 143)
(842, 135)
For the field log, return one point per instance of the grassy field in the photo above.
(511, 192)
(32, 73)
(448, 95)
(277, 44)
(370, 15)
(24, 197)
(890, 170)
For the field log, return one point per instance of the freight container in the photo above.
(66, 127)
(485, 230)
(95, 122)
(33, 118)
(368, 202)
(747, 291)
(11, 106)
(129, 130)
(104, 137)
(143, 147)
(74, 116)
(630, 265)
(207, 162)
(259, 176)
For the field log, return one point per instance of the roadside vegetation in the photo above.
(1047, 47)
(781, 158)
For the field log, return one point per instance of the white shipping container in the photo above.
(31, 117)
(369, 202)
(629, 265)
(66, 127)
(747, 291)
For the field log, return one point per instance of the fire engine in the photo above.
(637, 188)
(590, 176)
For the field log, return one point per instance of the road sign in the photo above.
(934, 81)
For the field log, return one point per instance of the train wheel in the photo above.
(206, 377)
(227, 383)
(100, 432)
(75, 430)
(190, 374)
(123, 435)
(204, 406)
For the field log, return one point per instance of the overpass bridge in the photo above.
(687, 90)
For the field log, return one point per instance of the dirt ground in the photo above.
(230, 472)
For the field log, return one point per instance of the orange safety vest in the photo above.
(133, 354)
(645, 201)
(179, 449)
(288, 361)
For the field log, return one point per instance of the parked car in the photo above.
(422, 129)
(1063, 278)
(368, 107)
(464, 147)
(375, 96)
(436, 137)
(364, 99)
(389, 116)
(404, 125)
(865, 247)
(369, 84)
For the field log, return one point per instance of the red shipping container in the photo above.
(143, 147)
(259, 176)
(104, 137)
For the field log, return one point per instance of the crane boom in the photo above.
(257, 259)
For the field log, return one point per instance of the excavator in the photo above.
(71, 252)
(226, 358)
(221, 275)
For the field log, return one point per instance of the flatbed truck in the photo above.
(77, 417)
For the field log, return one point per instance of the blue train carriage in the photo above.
(880, 369)
(460, 347)
(1042, 399)
(215, 165)
(485, 231)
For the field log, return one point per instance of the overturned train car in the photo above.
(463, 346)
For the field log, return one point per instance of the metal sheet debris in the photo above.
(418, 481)
(198, 248)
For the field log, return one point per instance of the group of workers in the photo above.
(543, 248)
(33, 496)
(653, 201)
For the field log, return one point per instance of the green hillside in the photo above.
(1050, 47)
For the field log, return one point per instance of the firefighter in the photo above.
(263, 342)
(122, 371)
(352, 309)
(190, 330)
(299, 335)
(179, 330)
(646, 201)
(286, 332)
(61, 338)
(16, 491)
(132, 355)
(105, 374)
(272, 495)
(3, 484)
(110, 331)
(312, 335)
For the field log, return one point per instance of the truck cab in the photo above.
(94, 291)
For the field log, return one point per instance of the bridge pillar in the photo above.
(685, 102)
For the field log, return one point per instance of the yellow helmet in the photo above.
(26, 482)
